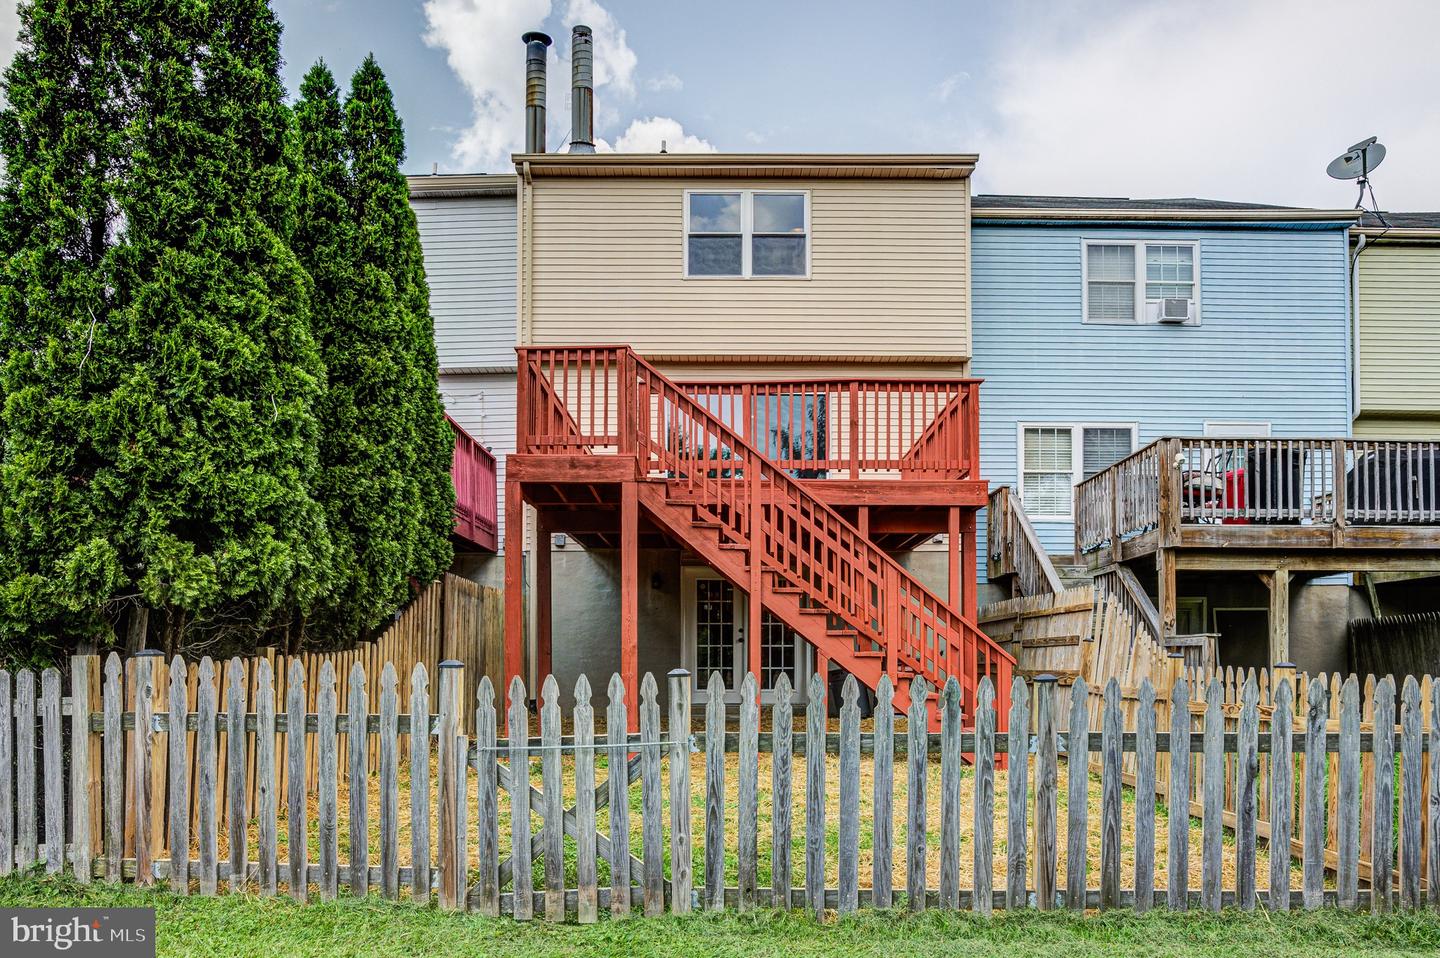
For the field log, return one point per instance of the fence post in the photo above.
(1046, 793)
(81, 796)
(451, 680)
(682, 880)
(140, 759)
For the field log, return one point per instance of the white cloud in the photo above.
(646, 136)
(1235, 100)
(9, 35)
(614, 60)
(481, 41)
(946, 88)
(666, 82)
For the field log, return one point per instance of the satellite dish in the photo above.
(1357, 162)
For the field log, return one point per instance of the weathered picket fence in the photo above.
(508, 846)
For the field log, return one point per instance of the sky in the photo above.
(1228, 99)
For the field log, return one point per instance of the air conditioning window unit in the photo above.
(1175, 310)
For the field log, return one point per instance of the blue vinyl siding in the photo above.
(1272, 344)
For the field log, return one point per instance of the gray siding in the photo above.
(469, 244)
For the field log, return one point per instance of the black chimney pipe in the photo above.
(582, 91)
(535, 44)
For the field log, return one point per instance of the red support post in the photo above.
(514, 582)
(969, 573)
(952, 534)
(630, 598)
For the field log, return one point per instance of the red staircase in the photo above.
(744, 514)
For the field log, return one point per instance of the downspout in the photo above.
(1353, 353)
(527, 213)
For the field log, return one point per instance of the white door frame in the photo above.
(804, 661)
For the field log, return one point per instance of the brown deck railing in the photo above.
(1264, 480)
(1013, 547)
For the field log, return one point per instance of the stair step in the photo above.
(842, 633)
(868, 654)
(706, 524)
(787, 589)
(735, 546)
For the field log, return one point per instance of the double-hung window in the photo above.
(1055, 457)
(1131, 282)
(747, 233)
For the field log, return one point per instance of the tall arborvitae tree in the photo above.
(219, 402)
(386, 446)
(64, 574)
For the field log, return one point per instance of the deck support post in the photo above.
(543, 609)
(754, 606)
(630, 598)
(1279, 583)
(969, 573)
(952, 548)
(1166, 606)
(514, 582)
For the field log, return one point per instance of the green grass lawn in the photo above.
(239, 926)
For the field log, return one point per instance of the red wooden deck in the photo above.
(796, 490)
(476, 506)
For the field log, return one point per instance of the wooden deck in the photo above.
(1271, 506)
(797, 491)
(476, 495)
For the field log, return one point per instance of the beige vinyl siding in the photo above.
(1397, 427)
(469, 246)
(1399, 330)
(888, 273)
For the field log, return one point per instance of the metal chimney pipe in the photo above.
(535, 44)
(582, 91)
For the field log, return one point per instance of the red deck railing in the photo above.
(476, 494)
(849, 428)
(600, 400)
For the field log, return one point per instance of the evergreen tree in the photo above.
(186, 489)
(63, 574)
(386, 446)
(219, 400)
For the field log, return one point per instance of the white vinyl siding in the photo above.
(1055, 457)
(469, 247)
(1125, 281)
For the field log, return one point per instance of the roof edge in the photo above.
(1262, 214)
(455, 185)
(662, 164)
(1374, 233)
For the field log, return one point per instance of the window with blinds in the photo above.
(1048, 473)
(1103, 447)
(1054, 458)
(1126, 282)
(1110, 279)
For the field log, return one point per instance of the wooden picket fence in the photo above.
(483, 849)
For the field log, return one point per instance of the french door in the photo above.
(714, 615)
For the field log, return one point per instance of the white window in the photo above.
(1054, 457)
(1129, 282)
(747, 233)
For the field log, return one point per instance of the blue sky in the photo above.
(1235, 99)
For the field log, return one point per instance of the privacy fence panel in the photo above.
(209, 778)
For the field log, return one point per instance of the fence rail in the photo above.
(485, 829)
(1262, 480)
